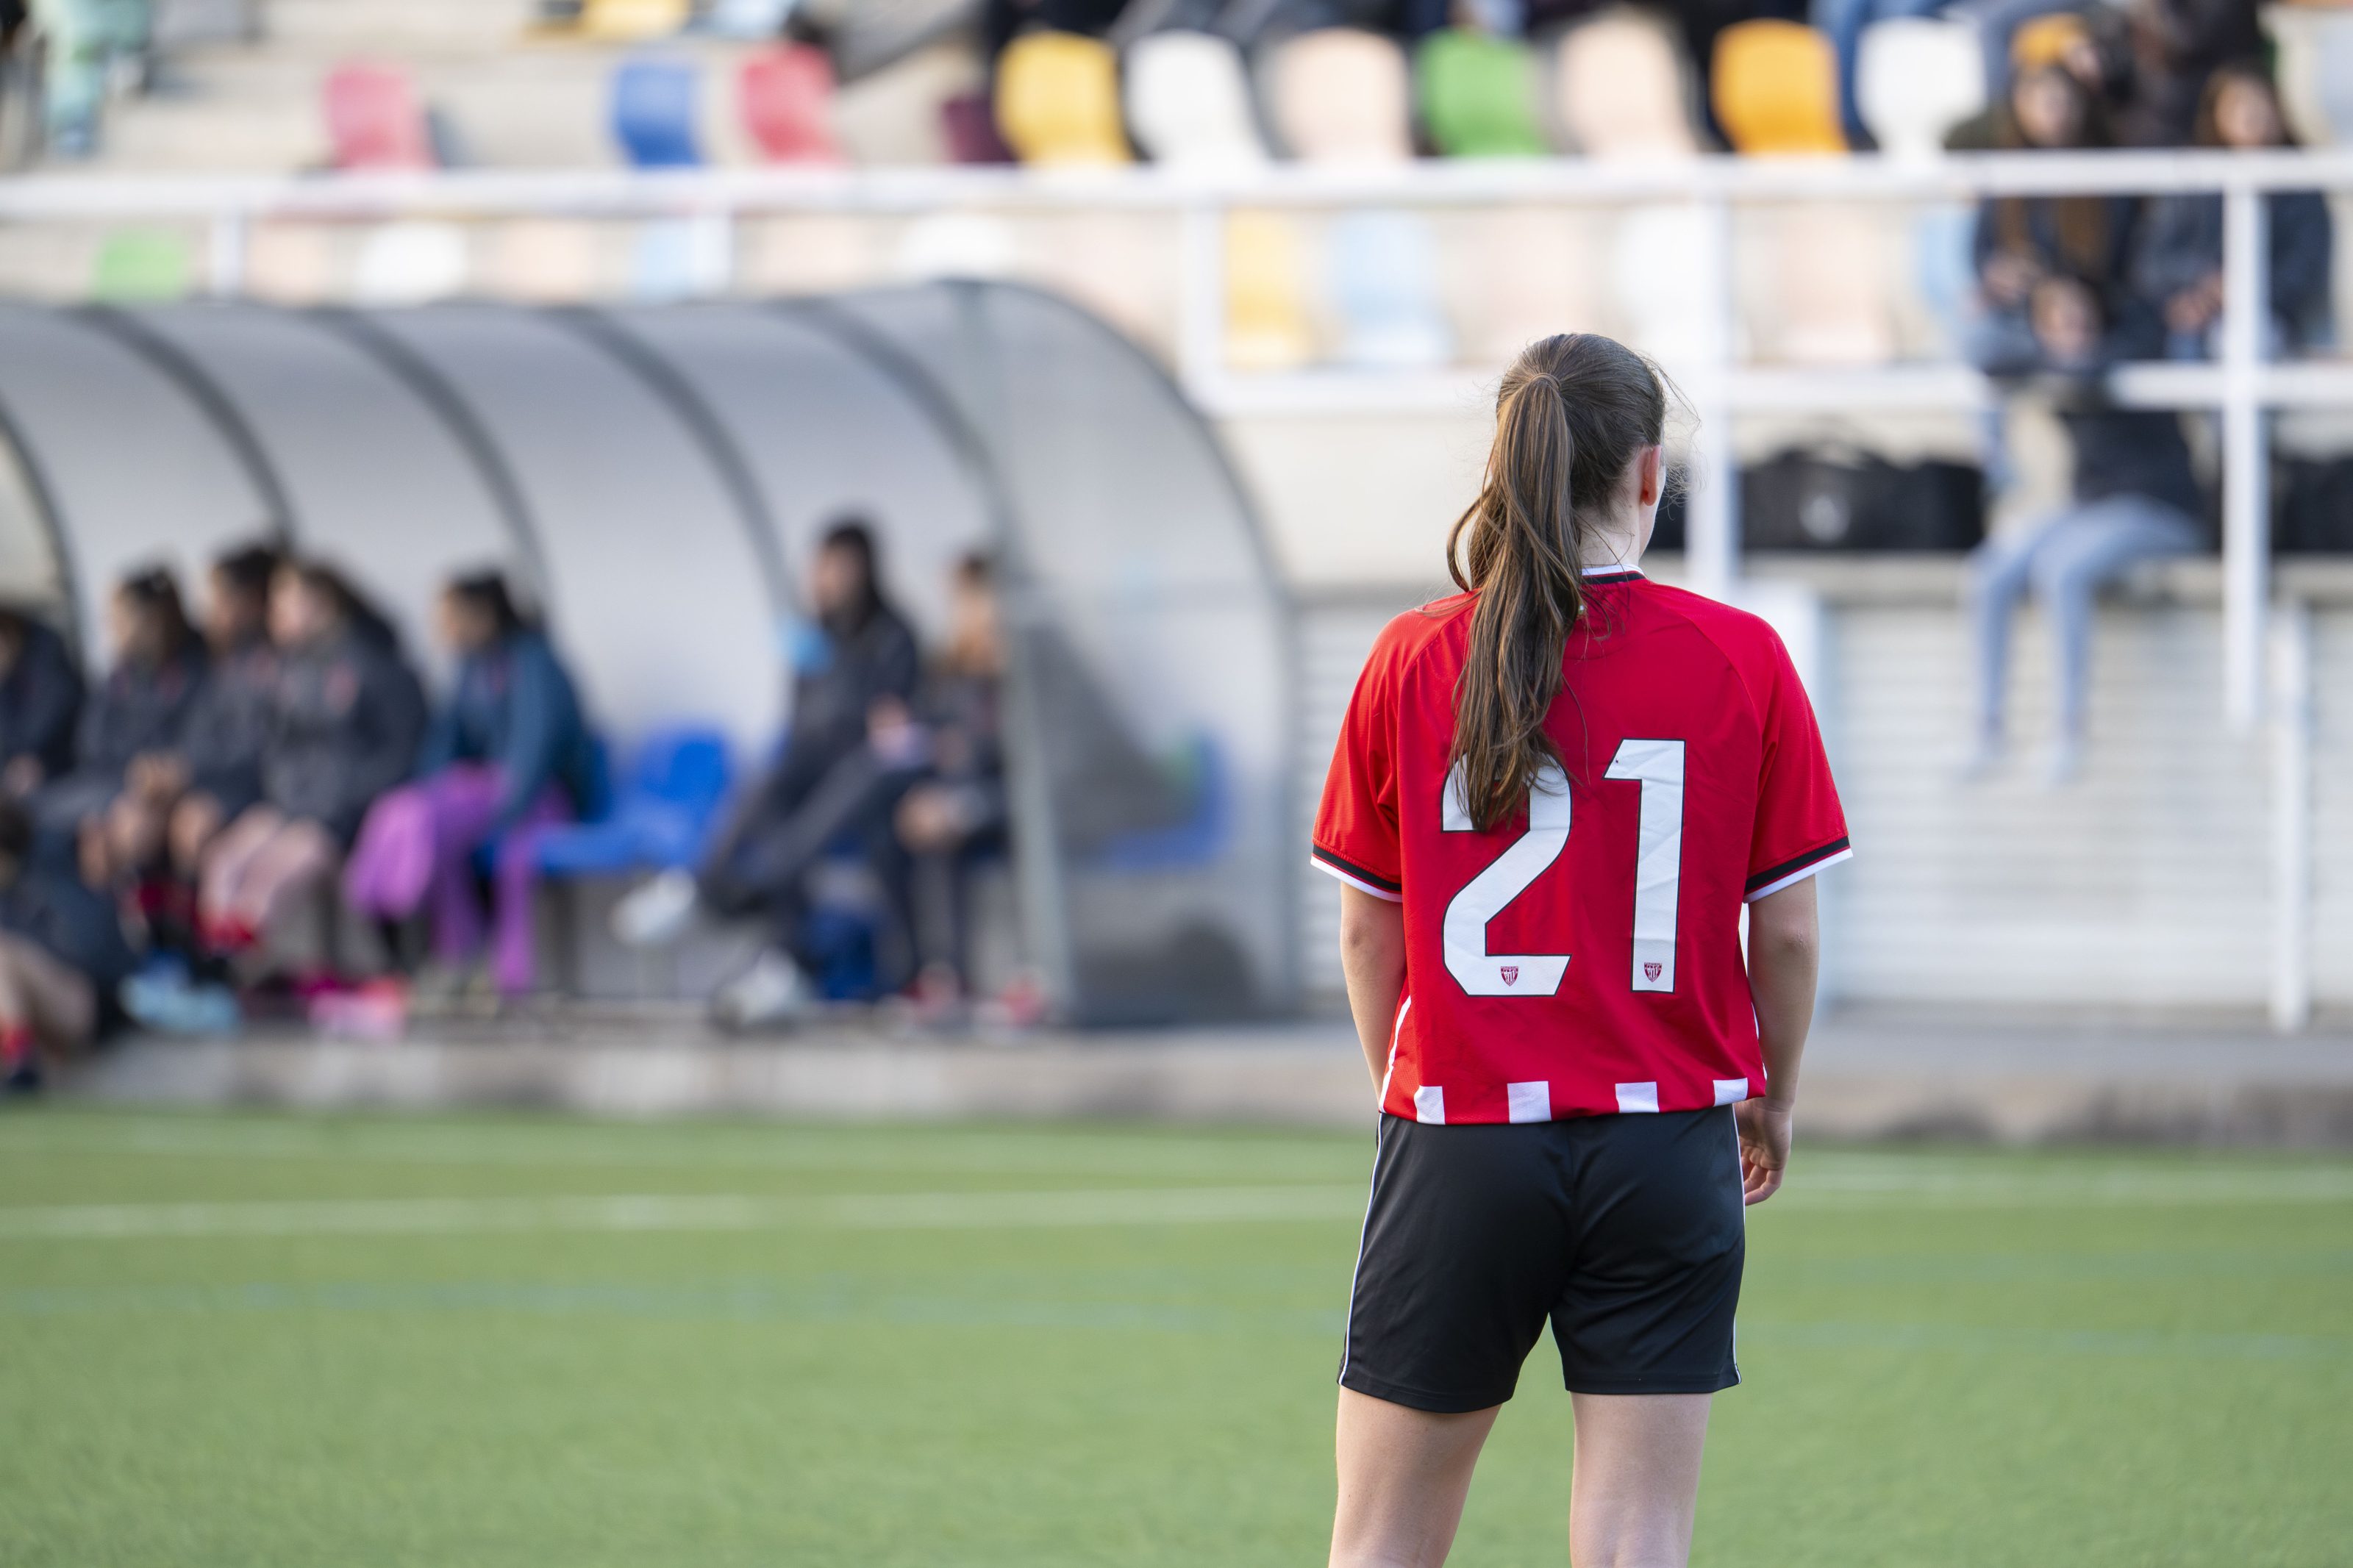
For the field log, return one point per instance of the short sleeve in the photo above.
(1356, 824)
(1800, 826)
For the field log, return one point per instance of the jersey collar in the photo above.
(1611, 574)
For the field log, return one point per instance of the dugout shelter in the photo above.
(655, 477)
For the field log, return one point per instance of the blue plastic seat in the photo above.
(1199, 840)
(661, 815)
(1385, 287)
(654, 113)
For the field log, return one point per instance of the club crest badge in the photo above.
(1511, 973)
(1651, 971)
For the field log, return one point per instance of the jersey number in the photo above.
(1658, 767)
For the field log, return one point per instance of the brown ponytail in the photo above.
(1572, 412)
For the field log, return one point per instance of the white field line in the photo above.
(705, 1212)
(1887, 1187)
(787, 1148)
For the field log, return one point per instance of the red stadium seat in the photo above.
(374, 121)
(786, 95)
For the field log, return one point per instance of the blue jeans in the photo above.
(2067, 558)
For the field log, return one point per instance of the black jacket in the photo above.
(75, 925)
(346, 718)
(228, 722)
(137, 708)
(834, 692)
(2180, 244)
(39, 697)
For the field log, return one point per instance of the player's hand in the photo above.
(1765, 1126)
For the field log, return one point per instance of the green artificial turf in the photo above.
(258, 1339)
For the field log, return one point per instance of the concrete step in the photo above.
(357, 23)
(1867, 1077)
(258, 108)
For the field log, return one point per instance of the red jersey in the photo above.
(1585, 956)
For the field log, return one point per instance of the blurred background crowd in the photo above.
(1305, 235)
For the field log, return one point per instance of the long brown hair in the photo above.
(1573, 411)
(2083, 226)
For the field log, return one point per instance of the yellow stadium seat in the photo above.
(2045, 41)
(628, 21)
(1776, 89)
(1266, 308)
(1057, 101)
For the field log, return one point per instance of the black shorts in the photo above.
(1627, 1231)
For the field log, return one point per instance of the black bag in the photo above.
(2312, 514)
(1858, 501)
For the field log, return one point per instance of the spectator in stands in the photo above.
(40, 697)
(92, 46)
(2022, 241)
(141, 709)
(2178, 46)
(2180, 265)
(62, 957)
(2135, 499)
(508, 753)
(856, 659)
(344, 719)
(956, 813)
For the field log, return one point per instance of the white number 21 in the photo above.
(1658, 767)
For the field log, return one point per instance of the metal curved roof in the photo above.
(658, 476)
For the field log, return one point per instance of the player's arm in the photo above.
(1372, 956)
(1783, 953)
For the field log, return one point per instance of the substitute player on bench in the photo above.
(1552, 794)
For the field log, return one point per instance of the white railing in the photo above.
(2241, 385)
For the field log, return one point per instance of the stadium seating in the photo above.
(374, 121)
(1774, 89)
(1266, 311)
(409, 263)
(1057, 101)
(956, 245)
(660, 815)
(1829, 303)
(1383, 273)
(1621, 85)
(1657, 267)
(631, 21)
(2334, 74)
(1916, 78)
(1199, 837)
(1476, 93)
(140, 264)
(1340, 95)
(1188, 101)
(654, 113)
(1525, 273)
(754, 19)
(676, 258)
(786, 98)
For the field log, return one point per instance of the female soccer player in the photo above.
(1552, 795)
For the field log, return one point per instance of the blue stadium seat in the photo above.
(654, 113)
(1384, 282)
(1200, 838)
(660, 816)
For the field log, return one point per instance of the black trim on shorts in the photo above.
(1811, 856)
(1386, 884)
